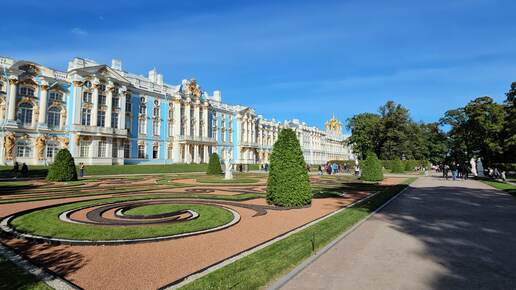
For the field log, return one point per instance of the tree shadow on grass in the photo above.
(469, 232)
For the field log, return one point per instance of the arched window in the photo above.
(54, 117)
(25, 113)
(23, 149)
(55, 96)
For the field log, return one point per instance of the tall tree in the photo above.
(365, 133)
(509, 134)
(394, 131)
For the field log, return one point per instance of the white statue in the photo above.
(473, 166)
(228, 173)
(480, 168)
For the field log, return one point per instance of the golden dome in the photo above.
(333, 125)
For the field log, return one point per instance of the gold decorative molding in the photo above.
(9, 141)
(41, 141)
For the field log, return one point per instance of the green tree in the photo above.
(365, 133)
(372, 169)
(435, 142)
(395, 139)
(509, 133)
(63, 168)
(288, 184)
(214, 167)
(397, 166)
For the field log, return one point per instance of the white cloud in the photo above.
(79, 31)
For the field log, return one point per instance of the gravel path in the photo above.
(437, 235)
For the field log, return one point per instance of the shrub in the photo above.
(63, 168)
(372, 169)
(397, 166)
(288, 184)
(214, 167)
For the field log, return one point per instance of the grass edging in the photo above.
(271, 262)
(506, 187)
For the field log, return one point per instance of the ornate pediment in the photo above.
(191, 88)
(102, 71)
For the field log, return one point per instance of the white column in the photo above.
(95, 101)
(77, 99)
(11, 114)
(42, 120)
(197, 119)
(205, 121)
(206, 154)
(187, 117)
(121, 118)
(109, 104)
(196, 153)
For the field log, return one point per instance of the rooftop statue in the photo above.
(333, 125)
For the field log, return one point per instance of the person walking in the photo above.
(81, 169)
(24, 170)
(445, 171)
(16, 169)
(454, 170)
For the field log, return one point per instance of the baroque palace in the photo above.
(105, 115)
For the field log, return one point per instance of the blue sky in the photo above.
(287, 59)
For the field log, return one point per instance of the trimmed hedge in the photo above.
(372, 169)
(63, 168)
(214, 167)
(408, 165)
(397, 166)
(288, 184)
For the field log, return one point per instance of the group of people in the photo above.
(496, 173)
(24, 172)
(458, 170)
(332, 168)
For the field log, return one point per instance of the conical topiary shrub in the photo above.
(288, 184)
(397, 166)
(214, 167)
(63, 168)
(372, 169)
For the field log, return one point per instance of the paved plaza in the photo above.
(437, 235)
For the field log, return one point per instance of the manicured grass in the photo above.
(45, 222)
(260, 268)
(509, 188)
(220, 179)
(13, 277)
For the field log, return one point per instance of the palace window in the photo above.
(114, 150)
(101, 119)
(86, 117)
(102, 87)
(55, 96)
(128, 123)
(155, 127)
(141, 151)
(87, 84)
(102, 149)
(53, 117)
(25, 91)
(155, 152)
(116, 102)
(102, 100)
(86, 97)
(25, 113)
(52, 149)
(84, 149)
(127, 150)
(142, 126)
(143, 109)
(23, 149)
(114, 120)
(1, 86)
(128, 104)
(156, 112)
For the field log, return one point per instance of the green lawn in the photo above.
(260, 268)
(13, 277)
(46, 222)
(41, 171)
(509, 188)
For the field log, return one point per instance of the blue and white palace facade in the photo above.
(105, 115)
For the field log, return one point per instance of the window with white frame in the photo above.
(26, 91)
(143, 109)
(156, 109)
(155, 152)
(52, 149)
(86, 97)
(141, 151)
(84, 149)
(114, 120)
(54, 117)
(25, 113)
(102, 87)
(55, 96)
(86, 117)
(23, 149)
(128, 104)
(101, 119)
(87, 84)
(128, 123)
(142, 126)
(102, 100)
(127, 150)
(114, 149)
(155, 127)
(116, 102)
(102, 149)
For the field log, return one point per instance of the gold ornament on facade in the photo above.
(64, 142)
(13, 81)
(41, 141)
(78, 83)
(193, 88)
(9, 141)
